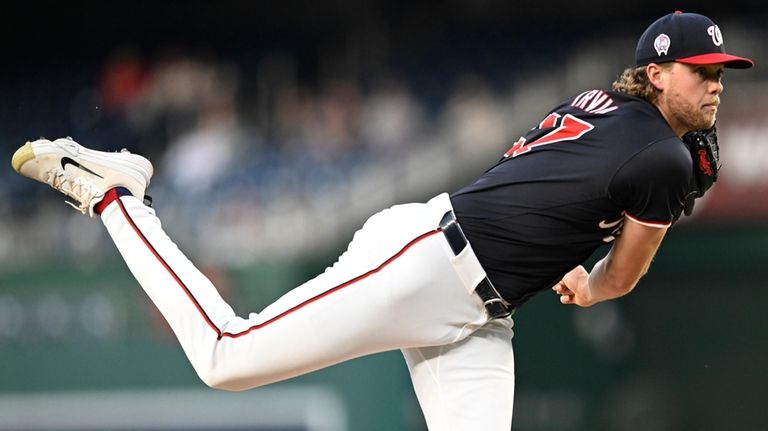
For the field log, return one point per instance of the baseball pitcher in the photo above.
(440, 280)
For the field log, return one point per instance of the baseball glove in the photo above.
(706, 162)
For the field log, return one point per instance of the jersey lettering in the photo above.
(594, 102)
(570, 128)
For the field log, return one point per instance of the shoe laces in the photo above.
(75, 187)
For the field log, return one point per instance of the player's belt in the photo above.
(495, 304)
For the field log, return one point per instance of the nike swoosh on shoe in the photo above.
(67, 161)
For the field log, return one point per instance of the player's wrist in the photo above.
(599, 286)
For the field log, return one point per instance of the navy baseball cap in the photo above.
(685, 38)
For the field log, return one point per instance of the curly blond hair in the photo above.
(634, 81)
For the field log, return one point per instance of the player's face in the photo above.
(691, 95)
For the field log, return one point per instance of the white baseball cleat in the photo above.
(82, 174)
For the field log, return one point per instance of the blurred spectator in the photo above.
(331, 124)
(392, 119)
(198, 158)
(123, 79)
(472, 119)
(178, 90)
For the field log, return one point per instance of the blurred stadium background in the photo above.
(276, 129)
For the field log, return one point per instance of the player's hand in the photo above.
(574, 288)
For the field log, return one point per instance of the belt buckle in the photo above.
(496, 306)
(497, 309)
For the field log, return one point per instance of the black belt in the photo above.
(496, 306)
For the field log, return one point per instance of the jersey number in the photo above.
(569, 128)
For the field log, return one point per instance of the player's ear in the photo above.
(655, 75)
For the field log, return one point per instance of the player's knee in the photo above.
(218, 371)
(226, 380)
(224, 384)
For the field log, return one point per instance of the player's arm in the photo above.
(618, 272)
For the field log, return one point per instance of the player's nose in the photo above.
(716, 87)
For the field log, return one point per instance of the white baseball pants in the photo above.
(398, 286)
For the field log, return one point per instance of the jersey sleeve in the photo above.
(653, 184)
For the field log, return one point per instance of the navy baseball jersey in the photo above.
(562, 190)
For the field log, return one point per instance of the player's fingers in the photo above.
(566, 299)
(561, 289)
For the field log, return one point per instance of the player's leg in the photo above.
(468, 385)
(399, 285)
(395, 287)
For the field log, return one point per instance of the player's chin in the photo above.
(709, 117)
(706, 121)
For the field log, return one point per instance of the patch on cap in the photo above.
(661, 43)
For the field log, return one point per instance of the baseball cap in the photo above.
(685, 38)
